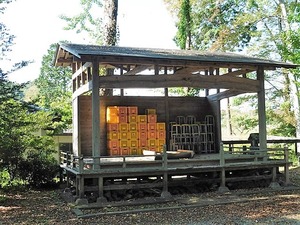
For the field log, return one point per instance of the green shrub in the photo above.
(39, 172)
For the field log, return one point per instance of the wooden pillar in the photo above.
(95, 110)
(165, 193)
(262, 110)
(167, 115)
(76, 127)
(222, 188)
(101, 198)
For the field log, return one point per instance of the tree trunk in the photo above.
(111, 37)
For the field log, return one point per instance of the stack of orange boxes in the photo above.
(130, 133)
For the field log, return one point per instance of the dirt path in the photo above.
(46, 207)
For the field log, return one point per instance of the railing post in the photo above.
(80, 162)
(165, 193)
(287, 164)
(222, 187)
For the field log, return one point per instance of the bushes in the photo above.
(38, 171)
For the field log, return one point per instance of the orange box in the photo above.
(114, 151)
(150, 111)
(112, 127)
(133, 143)
(113, 144)
(123, 110)
(113, 135)
(124, 151)
(132, 118)
(151, 134)
(161, 126)
(133, 135)
(112, 118)
(153, 148)
(152, 126)
(123, 118)
(160, 142)
(123, 143)
(135, 151)
(132, 110)
(112, 110)
(161, 134)
(152, 118)
(132, 127)
(142, 134)
(151, 142)
(123, 127)
(142, 118)
(123, 135)
(143, 143)
(142, 127)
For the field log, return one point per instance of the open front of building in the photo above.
(111, 130)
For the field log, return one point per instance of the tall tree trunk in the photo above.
(111, 33)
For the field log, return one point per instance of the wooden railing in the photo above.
(228, 155)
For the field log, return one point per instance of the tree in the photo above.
(54, 84)
(19, 120)
(268, 29)
(102, 29)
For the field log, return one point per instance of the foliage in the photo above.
(55, 92)
(86, 22)
(183, 35)
(39, 167)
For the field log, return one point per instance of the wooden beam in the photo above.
(81, 69)
(167, 81)
(238, 72)
(225, 94)
(164, 62)
(137, 69)
(83, 89)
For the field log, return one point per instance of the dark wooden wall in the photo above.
(177, 106)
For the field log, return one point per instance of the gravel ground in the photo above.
(269, 207)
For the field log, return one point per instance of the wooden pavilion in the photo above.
(220, 75)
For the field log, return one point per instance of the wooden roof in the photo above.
(68, 53)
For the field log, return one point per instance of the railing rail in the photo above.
(227, 155)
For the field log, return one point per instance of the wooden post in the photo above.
(287, 164)
(165, 193)
(101, 198)
(95, 113)
(222, 188)
(262, 110)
